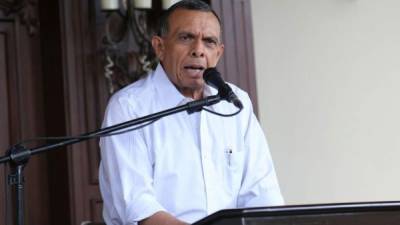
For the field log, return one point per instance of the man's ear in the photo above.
(158, 45)
(220, 51)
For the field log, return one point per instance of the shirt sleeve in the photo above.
(126, 171)
(259, 184)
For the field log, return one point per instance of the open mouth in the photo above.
(194, 67)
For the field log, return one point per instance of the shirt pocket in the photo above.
(234, 166)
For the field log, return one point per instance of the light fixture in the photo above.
(168, 3)
(109, 5)
(142, 4)
(128, 54)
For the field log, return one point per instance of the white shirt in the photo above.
(189, 165)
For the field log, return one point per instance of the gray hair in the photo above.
(197, 5)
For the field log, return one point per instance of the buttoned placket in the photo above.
(209, 170)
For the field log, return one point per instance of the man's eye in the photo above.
(185, 38)
(210, 42)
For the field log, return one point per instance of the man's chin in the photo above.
(191, 88)
(194, 82)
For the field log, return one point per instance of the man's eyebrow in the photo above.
(192, 34)
(186, 33)
(212, 37)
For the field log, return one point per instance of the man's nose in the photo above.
(198, 48)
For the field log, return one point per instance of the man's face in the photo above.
(191, 45)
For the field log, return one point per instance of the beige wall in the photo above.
(328, 79)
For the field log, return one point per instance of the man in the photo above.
(185, 166)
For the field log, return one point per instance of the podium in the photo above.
(367, 213)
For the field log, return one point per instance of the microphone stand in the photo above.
(18, 155)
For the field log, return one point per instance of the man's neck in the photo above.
(193, 94)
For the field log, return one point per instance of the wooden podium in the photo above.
(370, 213)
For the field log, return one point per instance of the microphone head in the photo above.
(213, 78)
(209, 73)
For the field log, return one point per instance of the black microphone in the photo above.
(214, 79)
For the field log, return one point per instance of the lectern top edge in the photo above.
(299, 210)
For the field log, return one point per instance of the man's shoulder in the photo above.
(135, 93)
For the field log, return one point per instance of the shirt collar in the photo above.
(169, 94)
